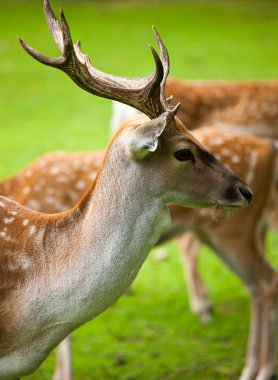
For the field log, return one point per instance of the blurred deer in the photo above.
(59, 271)
(243, 107)
(248, 106)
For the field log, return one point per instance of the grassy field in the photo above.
(149, 334)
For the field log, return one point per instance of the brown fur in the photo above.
(249, 105)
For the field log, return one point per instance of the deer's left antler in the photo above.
(144, 93)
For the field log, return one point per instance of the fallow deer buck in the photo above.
(56, 181)
(59, 271)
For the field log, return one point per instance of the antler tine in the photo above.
(142, 93)
(164, 56)
(53, 62)
(60, 33)
(54, 25)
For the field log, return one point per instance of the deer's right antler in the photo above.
(145, 93)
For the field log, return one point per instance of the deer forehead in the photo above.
(182, 141)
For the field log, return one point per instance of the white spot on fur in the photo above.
(39, 235)
(8, 220)
(55, 169)
(80, 185)
(2, 233)
(32, 203)
(25, 222)
(24, 261)
(62, 179)
(226, 152)
(252, 165)
(12, 266)
(235, 159)
(26, 190)
(9, 238)
(216, 141)
(73, 195)
(21, 261)
(49, 200)
(28, 173)
(32, 230)
(14, 213)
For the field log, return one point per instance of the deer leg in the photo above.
(199, 300)
(246, 259)
(260, 363)
(267, 354)
(63, 370)
(254, 341)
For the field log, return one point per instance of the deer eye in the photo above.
(184, 155)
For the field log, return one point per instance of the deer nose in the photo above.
(246, 193)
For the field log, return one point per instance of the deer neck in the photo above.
(113, 229)
(122, 220)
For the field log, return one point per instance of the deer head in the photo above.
(157, 143)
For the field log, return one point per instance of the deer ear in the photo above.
(144, 138)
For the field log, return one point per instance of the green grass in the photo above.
(149, 333)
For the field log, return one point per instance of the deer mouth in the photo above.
(231, 206)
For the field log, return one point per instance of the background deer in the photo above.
(248, 106)
(58, 271)
(56, 181)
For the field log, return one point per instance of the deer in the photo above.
(243, 107)
(56, 181)
(60, 270)
(247, 106)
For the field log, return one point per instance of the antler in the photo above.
(145, 93)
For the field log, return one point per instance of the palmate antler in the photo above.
(146, 94)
